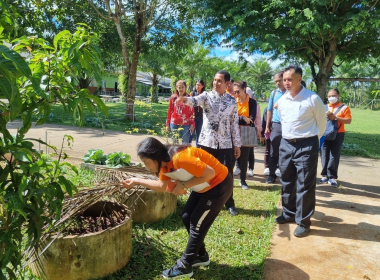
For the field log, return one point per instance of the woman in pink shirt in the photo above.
(180, 119)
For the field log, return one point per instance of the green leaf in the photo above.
(22, 156)
(60, 36)
(7, 83)
(17, 59)
(68, 185)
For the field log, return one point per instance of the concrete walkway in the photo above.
(344, 241)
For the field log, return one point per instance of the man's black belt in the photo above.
(276, 122)
(294, 140)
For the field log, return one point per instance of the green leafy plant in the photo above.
(32, 186)
(118, 159)
(94, 156)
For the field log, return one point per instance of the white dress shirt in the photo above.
(302, 116)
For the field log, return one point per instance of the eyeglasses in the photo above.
(236, 92)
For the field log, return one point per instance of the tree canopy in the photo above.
(316, 31)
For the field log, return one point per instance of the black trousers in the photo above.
(225, 157)
(267, 153)
(242, 161)
(275, 141)
(330, 156)
(251, 159)
(298, 166)
(199, 213)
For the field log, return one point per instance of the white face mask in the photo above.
(333, 99)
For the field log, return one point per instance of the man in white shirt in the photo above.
(303, 120)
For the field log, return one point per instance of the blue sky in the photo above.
(230, 54)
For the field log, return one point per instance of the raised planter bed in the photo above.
(91, 255)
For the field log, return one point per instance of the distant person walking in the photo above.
(273, 127)
(330, 151)
(180, 119)
(249, 115)
(198, 111)
(220, 135)
(303, 121)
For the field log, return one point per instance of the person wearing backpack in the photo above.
(330, 150)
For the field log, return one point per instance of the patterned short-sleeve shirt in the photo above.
(220, 120)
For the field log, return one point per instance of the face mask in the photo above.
(333, 99)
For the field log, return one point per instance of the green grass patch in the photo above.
(238, 246)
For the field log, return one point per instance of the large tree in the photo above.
(156, 20)
(315, 31)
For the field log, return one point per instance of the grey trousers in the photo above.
(298, 165)
(330, 155)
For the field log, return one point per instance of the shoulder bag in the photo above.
(332, 127)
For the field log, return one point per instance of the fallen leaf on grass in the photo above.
(163, 232)
(239, 231)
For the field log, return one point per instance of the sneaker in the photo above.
(301, 231)
(233, 211)
(278, 173)
(324, 180)
(282, 220)
(266, 171)
(201, 260)
(250, 173)
(237, 171)
(271, 180)
(333, 183)
(243, 185)
(178, 271)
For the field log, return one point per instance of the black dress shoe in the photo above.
(301, 231)
(233, 211)
(282, 220)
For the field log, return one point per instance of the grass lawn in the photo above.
(362, 135)
(238, 246)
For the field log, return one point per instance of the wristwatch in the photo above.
(183, 185)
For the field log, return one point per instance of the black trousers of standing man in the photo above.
(298, 165)
(224, 156)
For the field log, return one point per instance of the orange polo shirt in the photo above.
(243, 108)
(194, 161)
(345, 112)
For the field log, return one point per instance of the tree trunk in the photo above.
(133, 69)
(154, 97)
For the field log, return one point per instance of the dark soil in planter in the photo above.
(97, 218)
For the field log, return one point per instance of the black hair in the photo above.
(153, 149)
(241, 84)
(336, 91)
(232, 81)
(303, 83)
(297, 69)
(202, 83)
(226, 75)
(279, 73)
